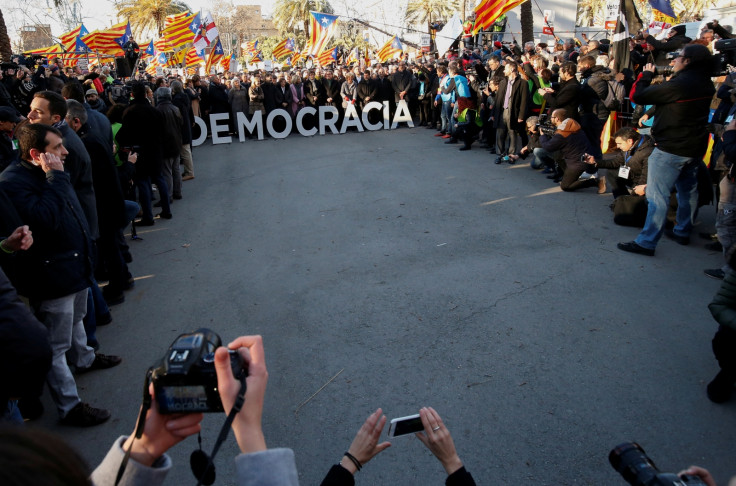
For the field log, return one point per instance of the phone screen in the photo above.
(405, 425)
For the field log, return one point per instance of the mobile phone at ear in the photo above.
(405, 425)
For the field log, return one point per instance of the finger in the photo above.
(186, 432)
(422, 438)
(382, 446)
(254, 344)
(184, 421)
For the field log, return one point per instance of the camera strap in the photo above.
(199, 459)
(140, 424)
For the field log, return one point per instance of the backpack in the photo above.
(615, 97)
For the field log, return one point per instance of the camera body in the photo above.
(545, 126)
(185, 380)
(630, 460)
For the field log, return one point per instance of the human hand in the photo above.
(650, 68)
(435, 102)
(619, 77)
(132, 157)
(438, 440)
(20, 239)
(640, 190)
(161, 433)
(365, 445)
(643, 119)
(247, 424)
(703, 474)
(589, 159)
(731, 125)
(49, 162)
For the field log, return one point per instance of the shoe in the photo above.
(709, 236)
(464, 147)
(682, 240)
(547, 170)
(187, 177)
(716, 273)
(166, 215)
(104, 319)
(714, 246)
(30, 408)
(451, 140)
(94, 344)
(601, 185)
(499, 160)
(720, 389)
(511, 161)
(446, 135)
(145, 222)
(633, 247)
(113, 299)
(101, 362)
(85, 416)
(439, 134)
(177, 196)
(553, 176)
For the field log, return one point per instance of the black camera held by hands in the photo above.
(545, 126)
(185, 381)
(630, 460)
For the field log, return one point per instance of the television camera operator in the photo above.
(682, 107)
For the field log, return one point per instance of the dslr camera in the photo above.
(185, 380)
(633, 464)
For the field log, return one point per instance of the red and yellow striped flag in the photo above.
(488, 11)
(322, 27)
(177, 32)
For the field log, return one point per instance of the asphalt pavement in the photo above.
(387, 269)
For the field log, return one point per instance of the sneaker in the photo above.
(716, 273)
(166, 215)
(85, 416)
(101, 362)
(439, 134)
(187, 177)
(113, 299)
(633, 247)
(446, 135)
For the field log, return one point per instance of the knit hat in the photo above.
(90, 92)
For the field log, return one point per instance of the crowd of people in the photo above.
(80, 154)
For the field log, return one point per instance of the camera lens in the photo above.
(209, 358)
(630, 460)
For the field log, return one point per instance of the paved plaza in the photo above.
(401, 273)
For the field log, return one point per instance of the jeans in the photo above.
(542, 158)
(11, 414)
(63, 320)
(446, 116)
(665, 172)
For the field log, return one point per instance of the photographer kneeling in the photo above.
(627, 168)
(570, 140)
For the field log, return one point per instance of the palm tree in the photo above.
(289, 14)
(428, 11)
(147, 15)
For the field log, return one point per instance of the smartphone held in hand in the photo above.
(405, 425)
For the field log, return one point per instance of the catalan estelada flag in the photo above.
(104, 41)
(177, 31)
(390, 49)
(193, 57)
(257, 57)
(69, 38)
(327, 57)
(283, 48)
(215, 57)
(488, 11)
(323, 27)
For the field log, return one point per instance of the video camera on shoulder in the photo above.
(185, 380)
(545, 126)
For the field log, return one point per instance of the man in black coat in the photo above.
(676, 39)
(594, 90)
(566, 95)
(8, 151)
(142, 131)
(682, 108)
(56, 272)
(110, 203)
(171, 144)
(510, 111)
